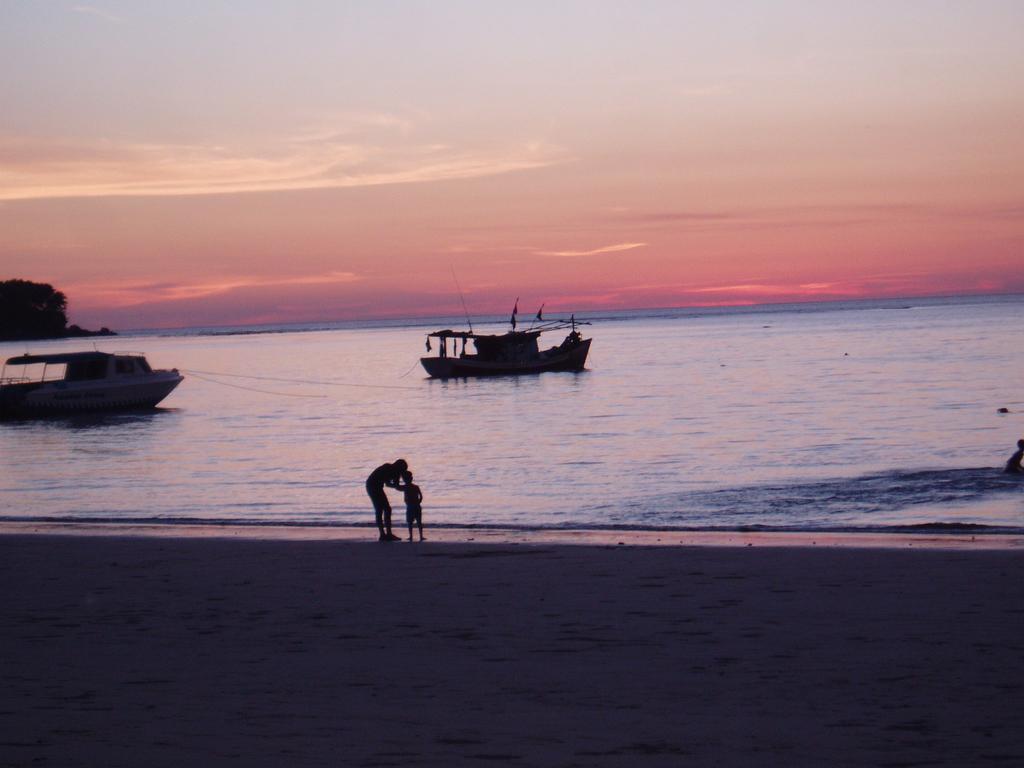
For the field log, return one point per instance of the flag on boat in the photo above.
(515, 311)
(540, 313)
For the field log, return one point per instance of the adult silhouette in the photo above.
(1013, 466)
(385, 474)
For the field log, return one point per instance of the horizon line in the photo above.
(723, 306)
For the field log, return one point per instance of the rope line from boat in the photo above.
(313, 382)
(411, 369)
(251, 389)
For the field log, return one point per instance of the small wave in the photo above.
(945, 527)
(840, 501)
(163, 520)
(921, 501)
(228, 523)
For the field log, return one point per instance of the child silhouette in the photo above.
(413, 503)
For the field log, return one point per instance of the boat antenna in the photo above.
(463, 298)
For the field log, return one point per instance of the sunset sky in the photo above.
(186, 163)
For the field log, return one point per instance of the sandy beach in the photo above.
(130, 651)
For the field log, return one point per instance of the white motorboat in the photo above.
(75, 382)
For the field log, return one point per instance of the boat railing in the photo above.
(46, 373)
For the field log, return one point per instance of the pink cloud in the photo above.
(594, 251)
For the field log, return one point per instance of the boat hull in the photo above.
(59, 397)
(573, 359)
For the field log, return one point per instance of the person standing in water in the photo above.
(413, 503)
(1013, 466)
(385, 474)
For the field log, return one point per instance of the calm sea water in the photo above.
(873, 415)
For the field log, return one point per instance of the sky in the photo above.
(200, 163)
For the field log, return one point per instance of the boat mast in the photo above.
(463, 298)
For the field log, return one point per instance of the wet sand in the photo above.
(559, 536)
(159, 651)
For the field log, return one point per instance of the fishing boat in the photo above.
(77, 382)
(512, 353)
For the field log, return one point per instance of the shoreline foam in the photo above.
(572, 537)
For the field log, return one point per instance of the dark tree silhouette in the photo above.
(31, 310)
(36, 311)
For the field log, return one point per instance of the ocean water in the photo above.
(855, 416)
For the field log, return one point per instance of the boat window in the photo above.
(124, 365)
(86, 371)
(55, 372)
(34, 372)
(143, 365)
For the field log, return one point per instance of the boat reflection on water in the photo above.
(94, 421)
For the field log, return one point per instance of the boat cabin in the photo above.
(502, 348)
(74, 366)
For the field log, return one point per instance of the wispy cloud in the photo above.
(487, 248)
(753, 289)
(347, 125)
(593, 251)
(131, 294)
(677, 216)
(778, 289)
(40, 169)
(90, 10)
(814, 216)
(713, 89)
(744, 288)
